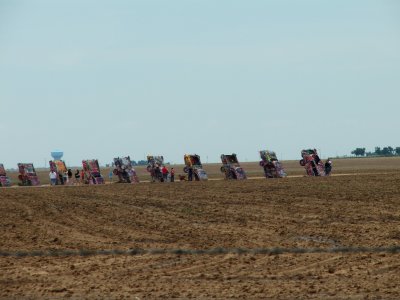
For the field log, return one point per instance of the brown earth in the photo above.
(359, 210)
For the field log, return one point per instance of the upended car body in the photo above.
(27, 175)
(192, 161)
(124, 170)
(312, 163)
(154, 165)
(271, 165)
(92, 173)
(59, 167)
(4, 180)
(231, 167)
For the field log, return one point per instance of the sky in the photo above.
(100, 79)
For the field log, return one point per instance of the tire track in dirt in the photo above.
(309, 265)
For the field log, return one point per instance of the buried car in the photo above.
(27, 175)
(231, 167)
(92, 173)
(154, 165)
(60, 168)
(124, 170)
(4, 180)
(312, 163)
(271, 165)
(194, 168)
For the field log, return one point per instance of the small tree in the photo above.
(359, 152)
(397, 150)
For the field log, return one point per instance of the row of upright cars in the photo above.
(28, 177)
(125, 172)
(272, 167)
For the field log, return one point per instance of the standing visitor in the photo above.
(61, 178)
(53, 178)
(77, 176)
(158, 173)
(328, 167)
(110, 175)
(190, 174)
(165, 173)
(70, 176)
(83, 176)
(172, 175)
(65, 177)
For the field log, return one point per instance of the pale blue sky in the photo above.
(100, 79)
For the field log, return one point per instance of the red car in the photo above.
(312, 163)
(91, 169)
(27, 175)
(4, 180)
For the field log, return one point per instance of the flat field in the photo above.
(362, 209)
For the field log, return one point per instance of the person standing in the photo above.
(110, 175)
(53, 177)
(77, 177)
(165, 173)
(65, 177)
(158, 173)
(190, 174)
(70, 176)
(61, 178)
(83, 176)
(172, 175)
(328, 167)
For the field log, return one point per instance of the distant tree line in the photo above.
(139, 163)
(136, 163)
(385, 151)
(144, 163)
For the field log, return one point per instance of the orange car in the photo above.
(194, 168)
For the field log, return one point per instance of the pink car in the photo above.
(92, 172)
(27, 175)
(312, 163)
(4, 180)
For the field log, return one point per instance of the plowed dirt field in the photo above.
(357, 210)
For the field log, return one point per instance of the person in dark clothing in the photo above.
(158, 173)
(190, 174)
(61, 178)
(77, 176)
(328, 167)
(172, 175)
